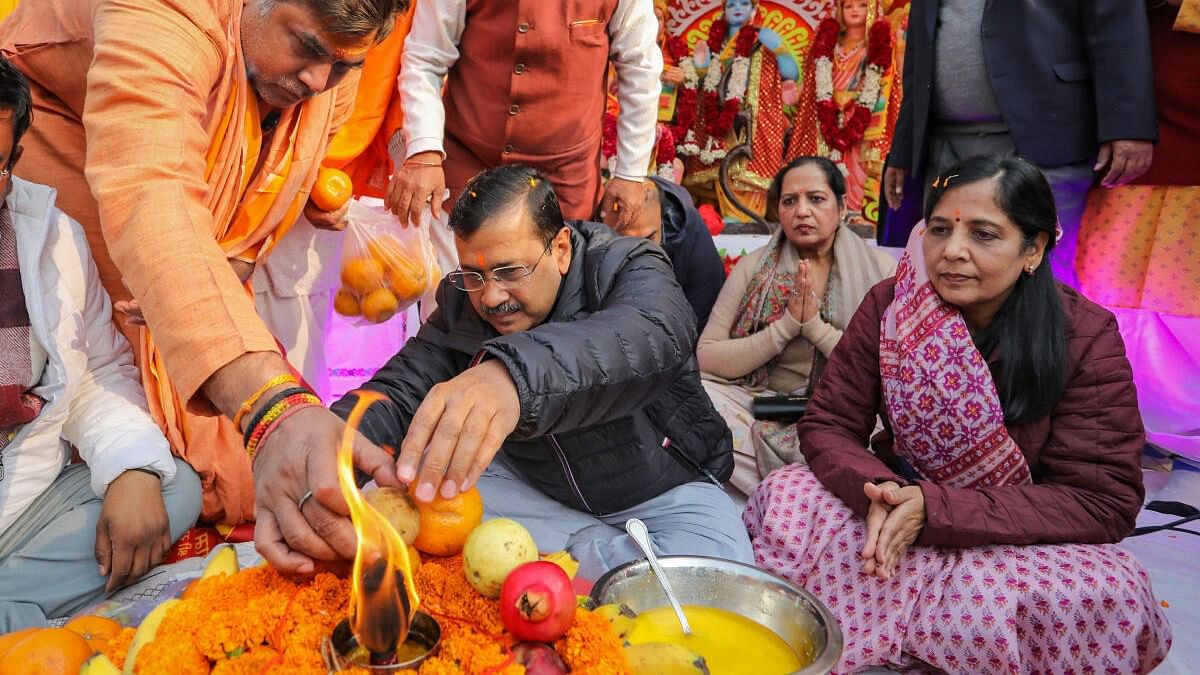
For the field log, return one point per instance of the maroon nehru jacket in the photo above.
(529, 87)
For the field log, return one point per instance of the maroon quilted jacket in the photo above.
(1085, 456)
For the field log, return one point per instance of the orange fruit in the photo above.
(406, 280)
(445, 523)
(48, 651)
(386, 249)
(346, 303)
(332, 189)
(10, 640)
(97, 630)
(379, 305)
(362, 275)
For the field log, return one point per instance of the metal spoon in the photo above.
(637, 531)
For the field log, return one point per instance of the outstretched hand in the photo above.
(458, 429)
(298, 457)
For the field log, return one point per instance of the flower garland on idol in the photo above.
(664, 149)
(843, 134)
(665, 135)
(718, 114)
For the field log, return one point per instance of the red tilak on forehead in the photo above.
(957, 214)
(479, 259)
(343, 53)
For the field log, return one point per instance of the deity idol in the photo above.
(845, 102)
(742, 66)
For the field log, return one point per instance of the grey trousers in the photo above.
(692, 519)
(48, 566)
(1070, 183)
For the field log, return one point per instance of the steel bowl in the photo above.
(336, 649)
(791, 612)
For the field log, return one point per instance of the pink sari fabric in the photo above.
(1076, 608)
(943, 405)
(1069, 608)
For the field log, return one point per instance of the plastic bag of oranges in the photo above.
(385, 267)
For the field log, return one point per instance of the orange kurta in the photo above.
(144, 123)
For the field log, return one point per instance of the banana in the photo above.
(146, 632)
(620, 616)
(99, 665)
(664, 658)
(223, 561)
(564, 560)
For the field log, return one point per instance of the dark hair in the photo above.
(497, 189)
(1029, 329)
(833, 176)
(356, 18)
(15, 96)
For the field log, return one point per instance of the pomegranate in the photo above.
(537, 602)
(539, 659)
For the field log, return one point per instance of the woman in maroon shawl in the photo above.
(978, 536)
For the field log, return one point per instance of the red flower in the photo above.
(826, 38)
(685, 113)
(608, 146)
(879, 45)
(665, 147)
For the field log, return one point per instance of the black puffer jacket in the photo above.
(612, 411)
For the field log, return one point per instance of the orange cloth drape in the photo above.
(6, 7)
(360, 147)
(204, 437)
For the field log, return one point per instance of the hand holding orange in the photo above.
(446, 523)
(332, 189)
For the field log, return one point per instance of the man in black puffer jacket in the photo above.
(558, 374)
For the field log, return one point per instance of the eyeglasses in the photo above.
(507, 278)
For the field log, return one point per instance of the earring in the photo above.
(1029, 270)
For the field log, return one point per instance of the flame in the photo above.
(381, 601)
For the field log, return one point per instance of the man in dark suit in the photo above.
(1067, 84)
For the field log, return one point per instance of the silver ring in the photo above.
(300, 504)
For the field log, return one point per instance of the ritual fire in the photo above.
(383, 597)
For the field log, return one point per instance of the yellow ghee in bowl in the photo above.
(730, 643)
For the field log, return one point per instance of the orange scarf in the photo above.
(251, 211)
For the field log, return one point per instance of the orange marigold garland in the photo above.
(257, 622)
(591, 646)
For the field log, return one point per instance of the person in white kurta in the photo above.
(70, 530)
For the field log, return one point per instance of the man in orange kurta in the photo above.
(185, 137)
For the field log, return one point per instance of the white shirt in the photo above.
(431, 49)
